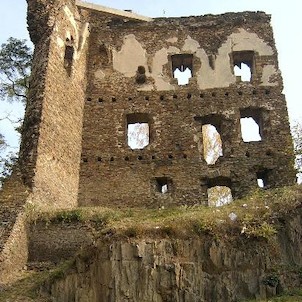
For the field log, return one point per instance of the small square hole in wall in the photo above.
(262, 179)
(163, 185)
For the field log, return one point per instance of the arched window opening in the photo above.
(68, 56)
(68, 59)
(104, 55)
(141, 75)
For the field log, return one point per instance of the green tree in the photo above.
(15, 65)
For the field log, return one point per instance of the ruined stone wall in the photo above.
(55, 242)
(194, 269)
(51, 141)
(13, 235)
(130, 72)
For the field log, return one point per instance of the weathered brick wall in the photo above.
(13, 237)
(57, 241)
(114, 174)
(51, 143)
(129, 71)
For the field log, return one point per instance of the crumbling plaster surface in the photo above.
(176, 113)
(133, 54)
(159, 60)
(79, 32)
(268, 74)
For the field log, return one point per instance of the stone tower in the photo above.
(51, 142)
(99, 71)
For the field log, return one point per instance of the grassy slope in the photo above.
(256, 217)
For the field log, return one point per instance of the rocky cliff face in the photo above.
(192, 269)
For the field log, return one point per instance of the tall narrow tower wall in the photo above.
(51, 141)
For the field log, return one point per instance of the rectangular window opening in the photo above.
(212, 144)
(262, 179)
(163, 185)
(219, 196)
(251, 124)
(68, 59)
(138, 130)
(219, 191)
(182, 68)
(243, 65)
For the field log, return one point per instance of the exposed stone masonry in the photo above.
(95, 72)
(113, 174)
(51, 143)
(172, 269)
(95, 69)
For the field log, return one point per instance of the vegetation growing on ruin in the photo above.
(292, 296)
(15, 65)
(28, 288)
(256, 216)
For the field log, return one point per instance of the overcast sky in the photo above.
(286, 22)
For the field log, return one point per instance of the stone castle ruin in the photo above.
(99, 72)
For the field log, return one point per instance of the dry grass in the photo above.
(294, 296)
(256, 216)
(28, 287)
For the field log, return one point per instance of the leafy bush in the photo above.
(271, 280)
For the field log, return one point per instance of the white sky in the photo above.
(286, 22)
